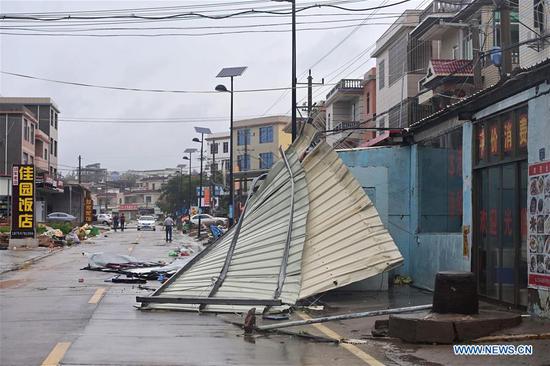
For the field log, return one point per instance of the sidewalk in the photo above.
(12, 260)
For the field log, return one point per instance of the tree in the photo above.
(175, 193)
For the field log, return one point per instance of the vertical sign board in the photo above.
(538, 217)
(88, 210)
(23, 196)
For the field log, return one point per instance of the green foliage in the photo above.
(41, 229)
(5, 229)
(94, 231)
(175, 193)
(65, 227)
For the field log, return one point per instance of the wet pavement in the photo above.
(12, 260)
(52, 309)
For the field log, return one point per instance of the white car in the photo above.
(146, 223)
(60, 217)
(105, 219)
(208, 220)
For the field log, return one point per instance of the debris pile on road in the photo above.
(308, 228)
(134, 269)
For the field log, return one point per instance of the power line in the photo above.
(196, 14)
(142, 89)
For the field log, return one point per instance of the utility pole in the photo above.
(310, 84)
(214, 147)
(505, 38)
(474, 30)
(294, 127)
(79, 169)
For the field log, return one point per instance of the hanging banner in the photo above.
(88, 210)
(538, 217)
(23, 196)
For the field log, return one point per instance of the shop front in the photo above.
(500, 205)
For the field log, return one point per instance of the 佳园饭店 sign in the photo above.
(23, 196)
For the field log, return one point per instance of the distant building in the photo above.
(166, 172)
(93, 173)
(217, 151)
(256, 142)
(351, 104)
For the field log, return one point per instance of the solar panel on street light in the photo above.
(203, 130)
(190, 150)
(231, 71)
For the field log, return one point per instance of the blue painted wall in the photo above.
(391, 180)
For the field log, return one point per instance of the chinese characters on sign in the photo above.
(538, 217)
(23, 195)
(88, 210)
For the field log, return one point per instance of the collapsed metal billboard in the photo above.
(307, 228)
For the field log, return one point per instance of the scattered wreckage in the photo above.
(306, 229)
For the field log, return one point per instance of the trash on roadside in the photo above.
(119, 279)
(288, 244)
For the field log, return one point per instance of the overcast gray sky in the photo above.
(173, 62)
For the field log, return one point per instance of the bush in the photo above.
(41, 229)
(5, 229)
(65, 227)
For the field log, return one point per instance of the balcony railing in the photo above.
(347, 125)
(346, 85)
(447, 6)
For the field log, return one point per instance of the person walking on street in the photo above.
(115, 222)
(122, 221)
(168, 224)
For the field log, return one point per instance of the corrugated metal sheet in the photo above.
(346, 240)
(309, 228)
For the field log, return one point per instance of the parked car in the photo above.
(60, 217)
(208, 220)
(105, 219)
(146, 223)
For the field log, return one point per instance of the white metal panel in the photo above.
(346, 240)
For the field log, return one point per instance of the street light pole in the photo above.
(230, 72)
(202, 131)
(231, 157)
(294, 127)
(189, 151)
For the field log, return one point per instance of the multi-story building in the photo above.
(351, 104)
(401, 61)
(451, 28)
(28, 127)
(256, 142)
(217, 150)
(535, 14)
(166, 172)
(93, 173)
(45, 114)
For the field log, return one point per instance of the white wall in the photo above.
(528, 56)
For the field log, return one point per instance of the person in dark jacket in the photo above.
(115, 222)
(122, 221)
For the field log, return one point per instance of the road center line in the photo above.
(364, 356)
(57, 354)
(98, 294)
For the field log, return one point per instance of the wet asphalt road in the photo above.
(48, 315)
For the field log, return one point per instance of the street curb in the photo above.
(28, 262)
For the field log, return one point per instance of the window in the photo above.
(368, 103)
(266, 134)
(32, 133)
(25, 130)
(266, 160)
(214, 148)
(514, 29)
(353, 112)
(467, 51)
(243, 136)
(381, 75)
(45, 153)
(440, 168)
(55, 147)
(51, 146)
(51, 117)
(153, 186)
(32, 159)
(148, 199)
(226, 147)
(397, 59)
(244, 162)
(538, 16)
(25, 158)
(55, 120)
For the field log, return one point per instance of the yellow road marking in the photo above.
(364, 356)
(57, 353)
(98, 294)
